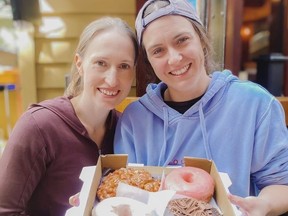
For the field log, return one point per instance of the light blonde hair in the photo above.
(75, 86)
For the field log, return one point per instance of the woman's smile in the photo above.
(180, 71)
(108, 92)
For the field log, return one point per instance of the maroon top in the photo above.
(42, 161)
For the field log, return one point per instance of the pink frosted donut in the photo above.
(191, 182)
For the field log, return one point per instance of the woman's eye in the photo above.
(125, 66)
(157, 51)
(181, 40)
(100, 63)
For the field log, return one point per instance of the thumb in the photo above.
(74, 200)
(236, 200)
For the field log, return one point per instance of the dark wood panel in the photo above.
(253, 3)
(285, 45)
(233, 40)
(284, 102)
(257, 13)
(144, 74)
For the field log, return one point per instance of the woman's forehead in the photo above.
(170, 25)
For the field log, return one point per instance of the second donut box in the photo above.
(114, 161)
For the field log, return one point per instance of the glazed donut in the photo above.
(135, 177)
(191, 182)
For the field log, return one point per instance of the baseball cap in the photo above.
(169, 7)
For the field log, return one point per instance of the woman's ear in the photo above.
(78, 63)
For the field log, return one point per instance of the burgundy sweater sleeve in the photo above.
(21, 166)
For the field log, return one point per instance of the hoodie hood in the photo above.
(63, 108)
(153, 101)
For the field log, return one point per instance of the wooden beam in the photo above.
(284, 102)
(257, 13)
(26, 63)
(285, 45)
(233, 39)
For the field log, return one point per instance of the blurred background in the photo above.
(38, 38)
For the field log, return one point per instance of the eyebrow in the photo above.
(175, 37)
(153, 47)
(105, 58)
(128, 61)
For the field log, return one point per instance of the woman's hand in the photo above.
(250, 206)
(74, 200)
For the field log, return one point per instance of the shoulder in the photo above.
(253, 97)
(250, 90)
(56, 103)
(132, 108)
(242, 94)
(239, 88)
(48, 112)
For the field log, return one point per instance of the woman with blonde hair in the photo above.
(54, 139)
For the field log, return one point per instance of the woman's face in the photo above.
(107, 68)
(175, 52)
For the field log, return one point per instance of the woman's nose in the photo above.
(112, 77)
(174, 57)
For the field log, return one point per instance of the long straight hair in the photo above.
(75, 86)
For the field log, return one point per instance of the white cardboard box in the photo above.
(91, 177)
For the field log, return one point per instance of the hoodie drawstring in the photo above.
(162, 159)
(204, 133)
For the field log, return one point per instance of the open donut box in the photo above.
(91, 176)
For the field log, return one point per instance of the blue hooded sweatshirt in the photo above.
(237, 124)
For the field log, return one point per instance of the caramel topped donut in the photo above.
(191, 182)
(135, 177)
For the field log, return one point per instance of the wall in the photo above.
(9, 97)
(45, 46)
(9, 100)
(8, 58)
(56, 35)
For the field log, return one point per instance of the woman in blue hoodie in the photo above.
(199, 112)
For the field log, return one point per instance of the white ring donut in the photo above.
(115, 206)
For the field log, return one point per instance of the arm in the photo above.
(269, 167)
(21, 167)
(271, 201)
(276, 196)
